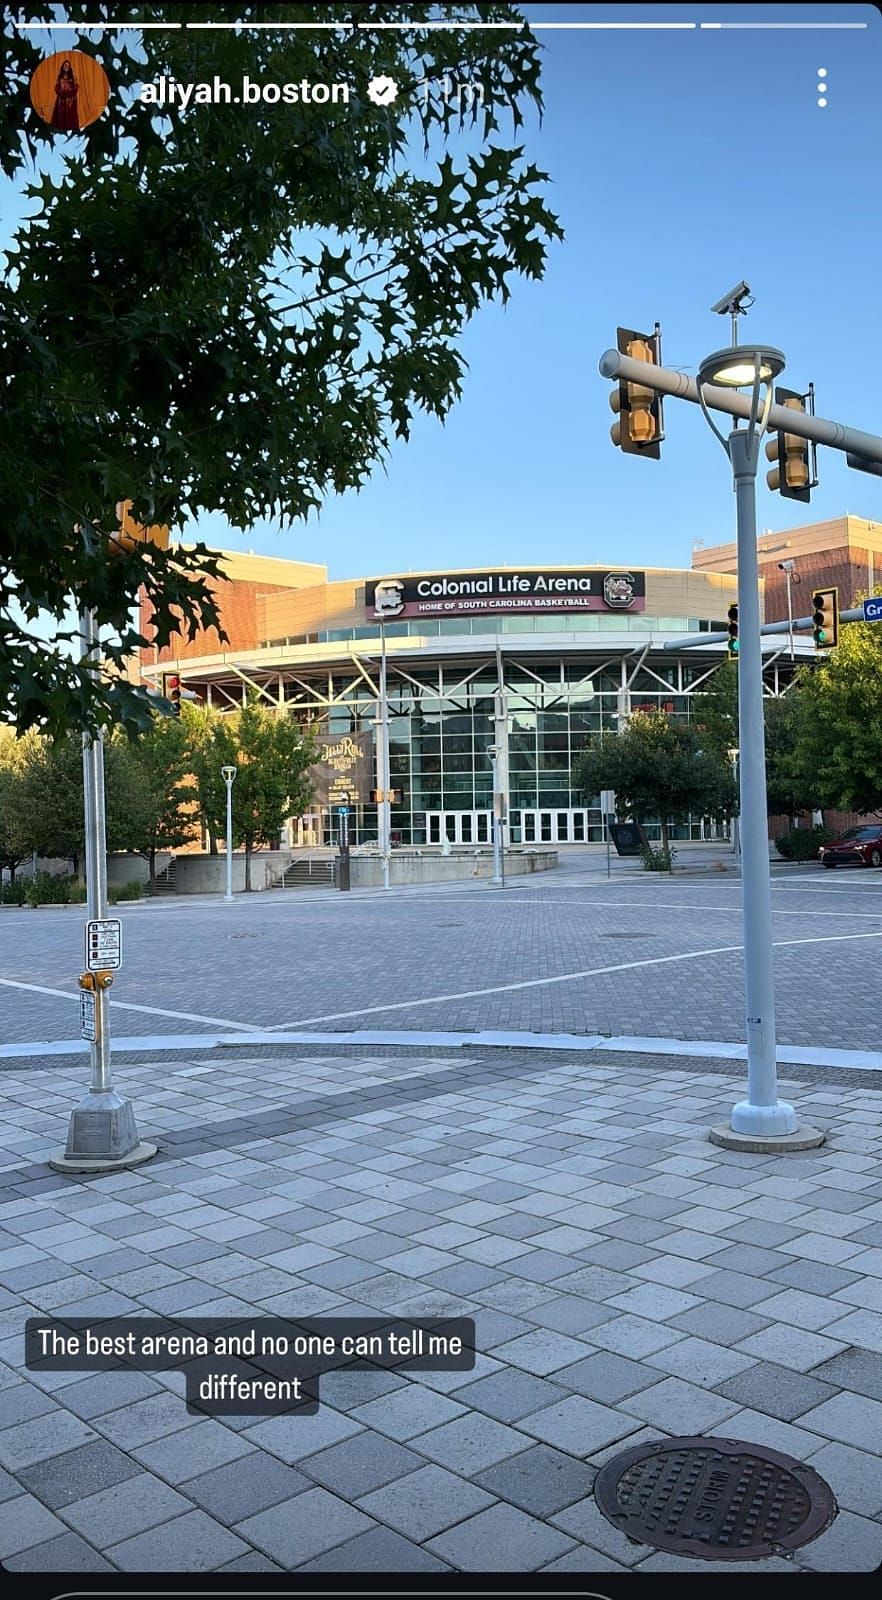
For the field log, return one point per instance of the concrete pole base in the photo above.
(102, 1136)
(767, 1143)
(142, 1152)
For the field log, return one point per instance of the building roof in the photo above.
(816, 538)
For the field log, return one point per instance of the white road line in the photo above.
(681, 905)
(563, 977)
(129, 1005)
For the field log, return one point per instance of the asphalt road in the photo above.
(567, 952)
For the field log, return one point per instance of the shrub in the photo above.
(76, 892)
(48, 889)
(12, 894)
(126, 891)
(658, 860)
(803, 844)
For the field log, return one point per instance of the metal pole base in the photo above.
(102, 1136)
(767, 1143)
(776, 1119)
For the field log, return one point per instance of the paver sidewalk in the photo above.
(629, 1281)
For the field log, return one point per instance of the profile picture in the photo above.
(69, 90)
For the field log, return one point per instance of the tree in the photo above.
(715, 716)
(715, 707)
(790, 785)
(235, 309)
(210, 747)
(272, 756)
(837, 734)
(659, 769)
(161, 794)
(52, 797)
(13, 830)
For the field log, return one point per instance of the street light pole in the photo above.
(762, 1111)
(762, 1120)
(790, 577)
(736, 841)
(229, 776)
(384, 812)
(498, 867)
(102, 1133)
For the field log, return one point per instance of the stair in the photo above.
(313, 873)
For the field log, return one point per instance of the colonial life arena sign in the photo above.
(454, 594)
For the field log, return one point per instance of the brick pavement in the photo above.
(629, 1281)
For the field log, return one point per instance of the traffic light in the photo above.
(794, 474)
(825, 618)
(171, 688)
(639, 429)
(130, 533)
(733, 631)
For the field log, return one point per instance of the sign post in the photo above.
(608, 811)
(102, 1134)
(343, 842)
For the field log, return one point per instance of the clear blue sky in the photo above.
(681, 162)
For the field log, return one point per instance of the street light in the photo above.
(387, 604)
(736, 842)
(498, 858)
(751, 367)
(229, 776)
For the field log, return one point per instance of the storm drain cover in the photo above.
(719, 1499)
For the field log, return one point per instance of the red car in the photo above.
(859, 847)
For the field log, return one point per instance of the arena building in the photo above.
(530, 660)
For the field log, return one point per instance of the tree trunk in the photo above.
(212, 844)
(12, 867)
(248, 849)
(152, 864)
(664, 840)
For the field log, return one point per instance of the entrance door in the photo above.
(306, 832)
(459, 827)
(554, 827)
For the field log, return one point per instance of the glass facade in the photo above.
(571, 622)
(441, 725)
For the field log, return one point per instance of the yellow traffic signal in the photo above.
(131, 533)
(793, 475)
(639, 429)
(825, 618)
